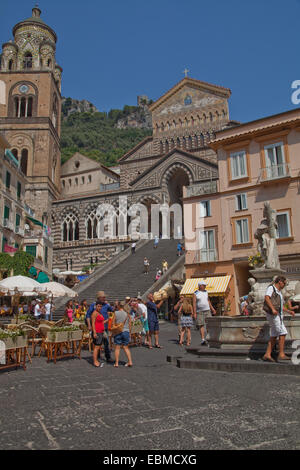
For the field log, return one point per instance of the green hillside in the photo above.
(95, 135)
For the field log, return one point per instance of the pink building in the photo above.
(258, 161)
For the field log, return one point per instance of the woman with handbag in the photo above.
(98, 332)
(186, 322)
(121, 332)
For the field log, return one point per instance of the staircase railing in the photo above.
(165, 277)
(101, 271)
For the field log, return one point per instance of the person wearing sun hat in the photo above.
(202, 309)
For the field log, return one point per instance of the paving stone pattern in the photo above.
(152, 406)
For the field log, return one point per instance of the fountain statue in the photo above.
(265, 275)
(252, 332)
(266, 236)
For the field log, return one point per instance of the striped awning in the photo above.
(216, 285)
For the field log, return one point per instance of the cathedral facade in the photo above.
(178, 154)
(66, 198)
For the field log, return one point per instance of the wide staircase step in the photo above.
(128, 278)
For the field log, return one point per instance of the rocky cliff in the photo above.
(70, 106)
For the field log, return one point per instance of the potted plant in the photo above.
(64, 334)
(13, 339)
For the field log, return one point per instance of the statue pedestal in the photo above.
(247, 333)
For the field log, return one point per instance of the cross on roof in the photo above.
(186, 71)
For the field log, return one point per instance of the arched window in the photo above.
(201, 140)
(172, 144)
(184, 142)
(210, 117)
(49, 63)
(167, 146)
(23, 107)
(178, 143)
(162, 127)
(70, 228)
(23, 98)
(16, 106)
(196, 141)
(24, 161)
(10, 64)
(15, 153)
(55, 111)
(190, 142)
(29, 106)
(93, 225)
(28, 61)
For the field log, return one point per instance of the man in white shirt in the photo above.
(47, 310)
(37, 310)
(274, 308)
(202, 309)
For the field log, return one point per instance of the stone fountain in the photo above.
(252, 333)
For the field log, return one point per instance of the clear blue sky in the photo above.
(113, 50)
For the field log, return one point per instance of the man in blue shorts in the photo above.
(152, 308)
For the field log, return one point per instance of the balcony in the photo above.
(19, 231)
(274, 172)
(208, 187)
(206, 256)
(7, 224)
(37, 234)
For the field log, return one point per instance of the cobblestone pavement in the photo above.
(152, 406)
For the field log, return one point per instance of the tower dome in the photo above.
(33, 47)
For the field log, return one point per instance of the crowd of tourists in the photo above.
(110, 325)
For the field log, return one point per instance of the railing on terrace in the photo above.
(38, 234)
(208, 187)
(109, 187)
(274, 172)
(206, 256)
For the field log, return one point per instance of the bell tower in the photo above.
(30, 109)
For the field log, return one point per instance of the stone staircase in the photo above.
(125, 276)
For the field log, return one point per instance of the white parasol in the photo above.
(18, 285)
(59, 290)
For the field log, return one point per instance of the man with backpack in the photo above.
(105, 308)
(274, 308)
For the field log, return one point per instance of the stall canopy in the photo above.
(216, 286)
